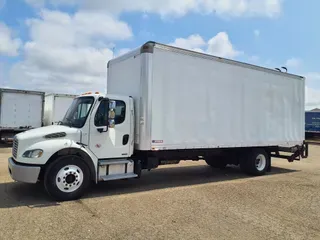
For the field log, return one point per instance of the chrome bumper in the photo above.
(22, 173)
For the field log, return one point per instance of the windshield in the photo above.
(77, 113)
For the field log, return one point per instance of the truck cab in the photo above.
(93, 142)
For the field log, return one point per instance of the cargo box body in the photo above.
(20, 109)
(56, 106)
(190, 100)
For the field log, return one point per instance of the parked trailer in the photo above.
(312, 124)
(56, 106)
(165, 104)
(20, 110)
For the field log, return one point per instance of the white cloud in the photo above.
(178, 8)
(312, 98)
(221, 46)
(192, 42)
(293, 62)
(77, 29)
(218, 45)
(68, 52)
(256, 33)
(9, 46)
(312, 90)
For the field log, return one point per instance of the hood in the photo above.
(50, 132)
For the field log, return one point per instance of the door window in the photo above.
(101, 117)
(120, 112)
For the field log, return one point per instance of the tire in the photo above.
(255, 162)
(216, 163)
(67, 178)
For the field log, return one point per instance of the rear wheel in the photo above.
(67, 178)
(255, 162)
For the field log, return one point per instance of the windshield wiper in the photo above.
(69, 122)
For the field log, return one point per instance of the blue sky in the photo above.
(63, 45)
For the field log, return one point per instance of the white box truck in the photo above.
(164, 105)
(20, 110)
(55, 107)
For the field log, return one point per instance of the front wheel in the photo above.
(67, 178)
(255, 162)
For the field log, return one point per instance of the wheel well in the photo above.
(71, 151)
(234, 156)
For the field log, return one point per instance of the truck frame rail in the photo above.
(297, 152)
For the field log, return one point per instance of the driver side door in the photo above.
(106, 142)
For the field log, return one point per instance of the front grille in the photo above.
(15, 147)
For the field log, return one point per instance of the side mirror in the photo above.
(111, 123)
(112, 104)
(111, 114)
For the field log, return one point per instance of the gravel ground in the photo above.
(187, 201)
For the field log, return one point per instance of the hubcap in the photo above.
(69, 178)
(261, 162)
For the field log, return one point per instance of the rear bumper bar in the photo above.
(296, 152)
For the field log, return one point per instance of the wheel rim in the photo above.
(261, 162)
(69, 178)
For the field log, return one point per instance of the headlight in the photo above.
(36, 153)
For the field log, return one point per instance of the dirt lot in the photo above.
(187, 201)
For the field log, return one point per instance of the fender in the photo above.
(54, 148)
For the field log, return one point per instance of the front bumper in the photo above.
(23, 173)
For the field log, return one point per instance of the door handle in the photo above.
(125, 139)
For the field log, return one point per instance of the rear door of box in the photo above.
(21, 109)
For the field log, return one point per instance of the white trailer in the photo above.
(56, 106)
(20, 110)
(164, 105)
